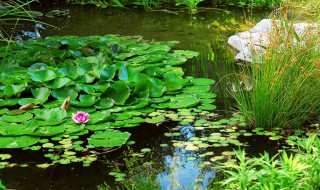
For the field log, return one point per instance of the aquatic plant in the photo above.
(117, 80)
(281, 171)
(285, 81)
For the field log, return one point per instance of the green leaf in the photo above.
(59, 83)
(13, 89)
(47, 131)
(98, 127)
(17, 118)
(109, 138)
(18, 142)
(52, 115)
(69, 129)
(42, 76)
(119, 93)
(97, 117)
(85, 101)
(104, 103)
(186, 53)
(63, 93)
(183, 101)
(42, 94)
(127, 73)
(108, 73)
(202, 81)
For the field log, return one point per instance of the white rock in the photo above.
(257, 39)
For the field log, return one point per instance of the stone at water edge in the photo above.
(257, 38)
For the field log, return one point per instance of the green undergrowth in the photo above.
(285, 82)
(294, 168)
(192, 5)
(119, 81)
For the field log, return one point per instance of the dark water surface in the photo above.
(205, 32)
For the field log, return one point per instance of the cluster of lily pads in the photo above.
(119, 81)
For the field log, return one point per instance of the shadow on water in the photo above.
(205, 32)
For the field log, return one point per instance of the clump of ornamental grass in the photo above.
(285, 81)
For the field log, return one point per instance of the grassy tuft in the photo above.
(285, 81)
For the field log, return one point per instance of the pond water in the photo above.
(205, 32)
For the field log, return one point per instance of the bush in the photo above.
(295, 171)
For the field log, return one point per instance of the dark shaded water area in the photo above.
(205, 32)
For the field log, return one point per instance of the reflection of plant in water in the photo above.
(138, 175)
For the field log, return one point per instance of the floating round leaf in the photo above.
(63, 93)
(13, 89)
(42, 76)
(85, 100)
(119, 93)
(98, 127)
(52, 115)
(48, 131)
(18, 142)
(109, 138)
(42, 94)
(104, 103)
(202, 81)
(183, 102)
(17, 118)
(98, 116)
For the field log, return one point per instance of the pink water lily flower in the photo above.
(80, 117)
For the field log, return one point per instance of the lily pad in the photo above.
(109, 138)
(18, 142)
(17, 118)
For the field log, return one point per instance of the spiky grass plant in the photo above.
(285, 80)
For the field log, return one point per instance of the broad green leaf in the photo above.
(85, 100)
(42, 94)
(119, 93)
(109, 138)
(13, 89)
(19, 129)
(59, 83)
(202, 81)
(17, 118)
(52, 114)
(47, 131)
(18, 142)
(42, 76)
(98, 117)
(63, 93)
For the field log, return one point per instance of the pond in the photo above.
(205, 32)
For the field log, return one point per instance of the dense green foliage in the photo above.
(300, 170)
(285, 82)
(117, 80)
(192, 5)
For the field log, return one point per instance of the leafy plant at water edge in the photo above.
(292, 171)
(117, 80)
(285, 81)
